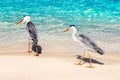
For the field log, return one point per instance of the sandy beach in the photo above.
(45, 23)
(56, 63)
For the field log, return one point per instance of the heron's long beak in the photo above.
(20, 22)
(67, 29)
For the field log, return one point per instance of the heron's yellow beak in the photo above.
(67, 29)
(20, 22)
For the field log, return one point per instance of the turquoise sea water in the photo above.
(99, 19)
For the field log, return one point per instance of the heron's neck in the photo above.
(27, 21)
(74, 36)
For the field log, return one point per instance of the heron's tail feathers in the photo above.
(36, 48)
(99, 50)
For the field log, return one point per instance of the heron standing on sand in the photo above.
(86, 43)
(31, 29)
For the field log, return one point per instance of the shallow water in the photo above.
(98, 19)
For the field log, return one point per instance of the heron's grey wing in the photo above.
(89, 44)
(32, 31)
(87, 41)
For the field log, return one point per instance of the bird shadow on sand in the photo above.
(88, 60)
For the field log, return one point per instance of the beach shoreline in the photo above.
(97, 19)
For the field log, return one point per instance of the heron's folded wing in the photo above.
(32, 31)
(87, 41)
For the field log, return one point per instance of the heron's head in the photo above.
(71, 27)
(24, 19)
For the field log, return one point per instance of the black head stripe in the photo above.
(72, 25)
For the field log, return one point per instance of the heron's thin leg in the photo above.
(36, 52)
(28, 46)
(82, 57)
(90, 62)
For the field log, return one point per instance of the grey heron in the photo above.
(31, 29)
(85, 42)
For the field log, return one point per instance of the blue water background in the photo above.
(96, 18)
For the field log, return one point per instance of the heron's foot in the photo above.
(78, 63)
(90, 67)
(36, 54)
(29, 52)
